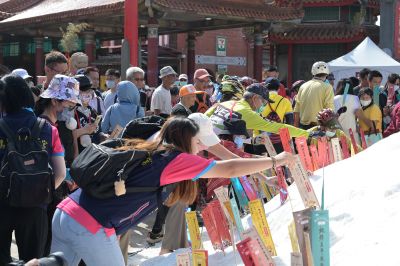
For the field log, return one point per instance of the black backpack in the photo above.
(143, 128)
(26, 178)
(98, 167)
(273, 115)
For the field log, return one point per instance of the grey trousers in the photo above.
(175, 236)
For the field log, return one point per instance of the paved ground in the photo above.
(138, 244)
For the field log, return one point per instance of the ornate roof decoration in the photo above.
(329, 33)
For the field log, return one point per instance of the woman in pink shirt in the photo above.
(86, 228)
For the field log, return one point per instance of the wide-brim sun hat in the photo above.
(168, 70)
(64, 88)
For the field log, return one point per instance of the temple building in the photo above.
(328, 29)
(30, 28)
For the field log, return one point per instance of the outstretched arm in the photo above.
(256, 122)
(221, 152)
(240, 167)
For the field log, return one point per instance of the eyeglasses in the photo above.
(138, 79)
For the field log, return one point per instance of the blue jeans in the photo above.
(77, 243)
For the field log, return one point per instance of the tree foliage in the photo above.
(70, 39)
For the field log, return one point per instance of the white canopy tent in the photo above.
(366, 55)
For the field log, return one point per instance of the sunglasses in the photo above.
(183, 80)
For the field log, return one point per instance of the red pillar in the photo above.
(39, 56)
(152, 54)
(131, 25)
(191, 56)
(290, 66)
(258, 58)
(90, 45)
(271, 54)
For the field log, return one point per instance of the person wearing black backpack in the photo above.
(87, 223)
(279, 111)
(32, 165)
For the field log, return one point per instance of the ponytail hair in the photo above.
(176, 134)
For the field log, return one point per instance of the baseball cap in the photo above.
(272, 83)
(188, 90)
(201, 73)
(260, 89)
(21, 72)
(206, 133)
(167, 70)
(62, 87)
(183, 76)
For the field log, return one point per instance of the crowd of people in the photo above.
(207, 132)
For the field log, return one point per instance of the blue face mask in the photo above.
(238, 141)
(330, 134)
(180, 83)
(110, 84)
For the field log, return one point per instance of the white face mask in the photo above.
(239, 142)
(330, 134)
(273, 92)
(67, 115)
(110, 84)
(365, 103)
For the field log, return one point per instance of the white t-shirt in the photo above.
(348, 119)
(161, 100)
